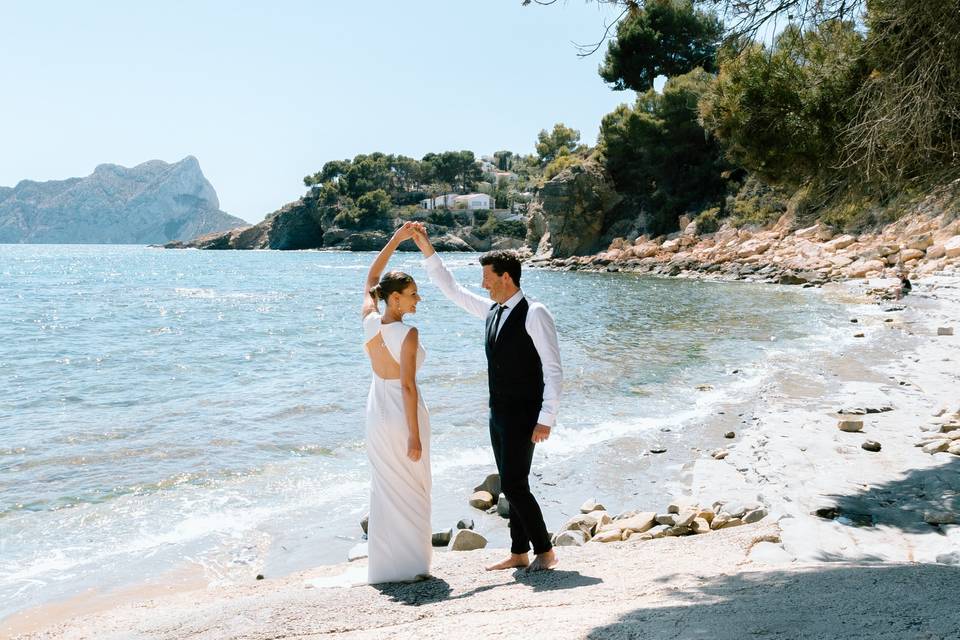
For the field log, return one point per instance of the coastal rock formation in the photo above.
(153, 202)
(296, 225)
(569, 215)
(305, 224)
(916, 244)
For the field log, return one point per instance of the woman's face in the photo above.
(408, 299)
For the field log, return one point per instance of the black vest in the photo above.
(514, 370)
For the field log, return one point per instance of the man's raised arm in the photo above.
(439, 274)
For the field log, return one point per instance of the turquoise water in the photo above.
(168, 407)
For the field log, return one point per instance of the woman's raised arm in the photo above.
(379, 264)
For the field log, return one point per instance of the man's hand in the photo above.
(405, 232)
(422, 240)
(540, 433)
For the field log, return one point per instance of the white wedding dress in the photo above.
(398, 532)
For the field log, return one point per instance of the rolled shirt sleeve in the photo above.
(543, 332)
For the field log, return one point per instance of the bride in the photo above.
(398, 427)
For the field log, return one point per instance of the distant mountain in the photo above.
(151, 203)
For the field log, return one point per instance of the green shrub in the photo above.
(495, 227)
(442, 217)
(757, 203)
(557, 166)
(708, 221)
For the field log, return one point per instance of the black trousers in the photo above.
(510, 432)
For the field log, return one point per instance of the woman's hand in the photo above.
(414, 450)
(421, 239)
(405, 232)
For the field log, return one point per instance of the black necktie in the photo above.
(496, 324)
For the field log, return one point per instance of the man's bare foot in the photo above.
(544, 561)
(515, 561)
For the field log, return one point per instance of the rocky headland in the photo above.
(307, 224)
(153, 202)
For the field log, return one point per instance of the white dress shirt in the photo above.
(539, 326)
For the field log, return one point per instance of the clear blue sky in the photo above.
(265, 93)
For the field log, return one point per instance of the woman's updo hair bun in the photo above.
(392, 282)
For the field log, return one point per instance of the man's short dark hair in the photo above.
(503, 262)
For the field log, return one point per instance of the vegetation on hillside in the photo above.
(844, 107)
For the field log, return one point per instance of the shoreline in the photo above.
(790, 454)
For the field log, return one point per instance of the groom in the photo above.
(523, 367)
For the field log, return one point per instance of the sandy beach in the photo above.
(871, 565)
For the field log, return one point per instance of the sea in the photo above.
(162, 409)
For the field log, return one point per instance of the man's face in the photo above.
(496, 285)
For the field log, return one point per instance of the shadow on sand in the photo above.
(902, 503)
(435, 590)
(853, 601)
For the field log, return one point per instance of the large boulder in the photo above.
(448, 242)
(363, 241)
(490, 484)
(952, 247)
(861, 268)
(571, 209)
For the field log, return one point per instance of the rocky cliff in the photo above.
(571, 211)
(153, 202)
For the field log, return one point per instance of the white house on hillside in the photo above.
(440, 202)
(471, 201)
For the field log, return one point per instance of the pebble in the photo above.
(364, 523)
(871, 445)
(939, 517)
(465, 523)
(944, 331)
(719, 454)
(481, 500)
(570, 538)
(830, 513)
(357, 552)
(441, 538)
(730, 434)
(859, 335)
(467, 540)
(936, 446)
(610, 535)
(668, 519)
(658, 449)
(490, 484)
(503, 506)
(754, 516)
(850, 426)
(591, 505)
